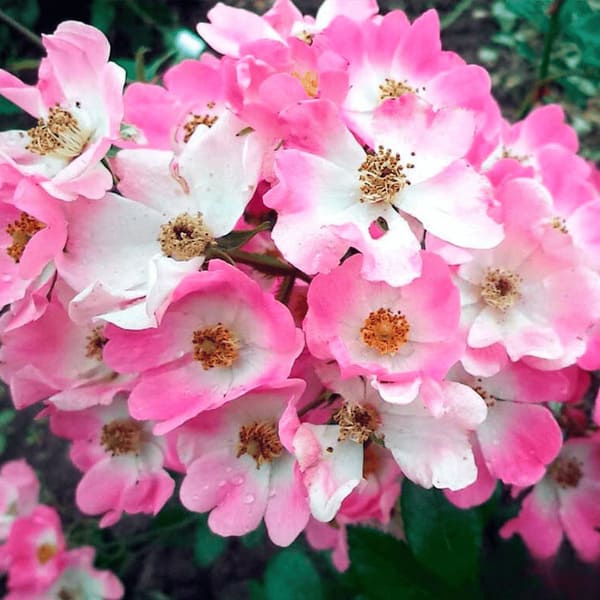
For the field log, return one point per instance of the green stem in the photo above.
(322, 399)
(285, 291)
(267, 264)
(32, 37)
(537, 91)
(455, 13)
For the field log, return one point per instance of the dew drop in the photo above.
(237, 480)
(222, 482)
(272, 494)
(6, 278)
(248, 499)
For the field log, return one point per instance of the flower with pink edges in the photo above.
(391, 58)
(165, 118)
(34, 549)
(220, 337)
(121, 459)
(428, 436)
(564, 502)
(33, 232)
(131, 251)
(54, 359)
(230, 28)
(330, 192)
(78, 103)
(371, 502)
(393, 333)
(240, 467)
(531, 302)
(19, 490)
(519, 437)
(78, 579)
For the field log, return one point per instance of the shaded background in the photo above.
(174, 556)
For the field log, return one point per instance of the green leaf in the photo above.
(383, 567)
(8, 108)
(6, 417)
(254, 538)
(533, 11)
(207, 546)
(236, 239)
(103, 14)
(443, 538)
(290, 575)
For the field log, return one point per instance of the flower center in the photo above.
(194, 121)
(382, 176)
(559, 224)
(500, 288)
(261, 441)
(122, 436)
(60, 134)
(305, 37)
(566, 472)
(385, 331)
(356, 422)
(215, 347)
(95, 343)
(508, 153)
(184, 237)
(46, 552)
(21, 231)
(391, 88)
(309, 81)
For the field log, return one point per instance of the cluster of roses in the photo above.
(33, 549)
(300, 272)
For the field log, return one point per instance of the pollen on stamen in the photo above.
(184, 237)
(195, 120)
(45, 552)
(122, 436)
(508, 153)
(501, 288)
(356, 422)
(485, 395)
(260, 440)
(382, 176)
(95, 343)
(21, 231)
(566, 472)
(385, 331)
(60, 134)
(215, 347)
(305, 37)
(391, 88)
(309, 81)
(560, 224)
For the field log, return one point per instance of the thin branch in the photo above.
(537, 92)
(32, 37)
(267, 264)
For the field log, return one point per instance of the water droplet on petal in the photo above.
(272, 494)
(237, 480)
(228, 470)
(222, 482)
(248, 499)
(6, 278)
